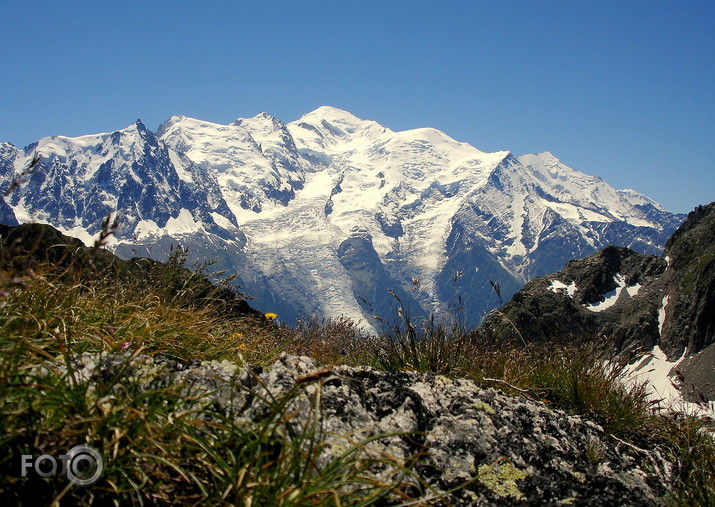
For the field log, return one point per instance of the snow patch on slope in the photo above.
(182, 224)
(661, 314)
(632, 290)
(560, 288)
(610, 297)
(655, 370)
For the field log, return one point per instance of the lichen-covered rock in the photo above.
(467, 445)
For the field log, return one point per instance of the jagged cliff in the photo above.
(633, 301)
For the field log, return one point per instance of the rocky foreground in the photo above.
(500, 449)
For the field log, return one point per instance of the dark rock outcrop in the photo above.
(696, 376)
(629, 300)
(573, 303)
(690, 284)
(371, 280)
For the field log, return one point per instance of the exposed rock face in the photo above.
(371, 280)
(690, 284)
(572, 303)
(696, 376)
(507, 450)
(633, 300)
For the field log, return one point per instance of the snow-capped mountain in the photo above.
(657, 312)
(325, 214)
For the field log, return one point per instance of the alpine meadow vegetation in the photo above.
(60, 300)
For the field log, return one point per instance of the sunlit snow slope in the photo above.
(325, 214)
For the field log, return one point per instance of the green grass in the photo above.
(163, 446)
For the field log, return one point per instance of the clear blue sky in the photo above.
(624, 89)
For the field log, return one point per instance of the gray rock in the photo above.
(474, 446)
(697, 376)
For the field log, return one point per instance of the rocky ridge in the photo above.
(634, 302)
(322, 215)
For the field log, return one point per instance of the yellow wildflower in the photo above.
(271, 316)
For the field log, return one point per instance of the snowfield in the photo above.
(275, 202)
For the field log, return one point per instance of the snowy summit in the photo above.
(324, 214)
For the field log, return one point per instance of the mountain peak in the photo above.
(266, 116)
(329, 122)
(540, 157)
(262, 121)
(432, 206)
(638, 199)
(140, 126)
(132, 131)
(332, 115)
(164, 127)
